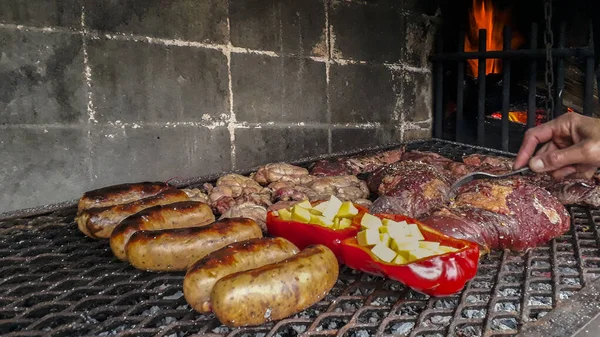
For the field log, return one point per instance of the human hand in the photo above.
(571, 149)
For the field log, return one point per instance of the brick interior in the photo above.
(103, 92)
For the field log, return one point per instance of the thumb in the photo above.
(580, 153)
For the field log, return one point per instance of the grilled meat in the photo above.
(359, 164)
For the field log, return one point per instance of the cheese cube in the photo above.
(321, 207)
(347, 210)
(385, 239)
(429, 245)
(300, 214)
(304, 204)
(370, 221)
(368, 237)
(398, 231)
(446, 249)
(419, 253)
(285, 215)
(333, 206)
(403, 246)
(383, 252)
(400, 259)
(345, 223)
(321, 221)
(415, 232)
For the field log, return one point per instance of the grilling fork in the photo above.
(481, 175)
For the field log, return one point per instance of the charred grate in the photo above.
(56, 282)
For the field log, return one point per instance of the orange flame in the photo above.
(483, 15)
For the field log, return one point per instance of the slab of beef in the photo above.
(502, 214)
(409, 188)
(359, 164)
(452, 169)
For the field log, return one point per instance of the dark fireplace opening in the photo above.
(506, 41)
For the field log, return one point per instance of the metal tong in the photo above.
(481, 175)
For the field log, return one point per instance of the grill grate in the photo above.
(54, 281)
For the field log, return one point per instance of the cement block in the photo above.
(275, 89)
(345, 139)
(416, 95)
(41, 76)
(360, 93)
(202, 21)
(124, 154)
(259, 146)
(41, 166)
(42, 13)
(135, 81)
(413, 134)
(420, 33)
(366, 32)
(287, 26)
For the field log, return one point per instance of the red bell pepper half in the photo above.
(439, 275)
(303, 235)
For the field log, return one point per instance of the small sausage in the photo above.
(177, 249)
(240, 256)
(176, 215)
(277, 290)
(98, 223)
(120, 194)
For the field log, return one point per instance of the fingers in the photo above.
(580, 153)
(583, 172)
(533, 137)
(564, 172)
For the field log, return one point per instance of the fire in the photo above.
(484, 15)
(521, 116)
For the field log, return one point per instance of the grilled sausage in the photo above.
(98, 223)
(176, 215)
(277, 290)
(120, 194)
(177, 249)
(240, 256)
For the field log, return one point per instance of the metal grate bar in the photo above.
(54, 281)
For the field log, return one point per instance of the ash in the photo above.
(571, 281)
(504, 324)
(384, 301)
(540, 264)
(476, 298)
(507, 306)
(474, 313)
(469, 331)
(446, 304)
(540, 287)
(540, 300)
(510, 292)
(359, 333)
(438, 320)
(402, 328)
(348, 306)
(410, 309)
(373, 317)
(482, 284)
(332, 323)
(175, 296)
(152, 311)
(565, 295)
(291, 331)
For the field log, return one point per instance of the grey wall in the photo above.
(102, 92)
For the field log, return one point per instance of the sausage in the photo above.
(277, 290)
(176, 215)
(98, 223)
(240, 256)
(178, 248)
(120, 194)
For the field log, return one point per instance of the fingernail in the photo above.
(536, 164)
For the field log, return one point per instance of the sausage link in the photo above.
(277, 290)
(120, 194)
(240, 256)
(177, 249)
(98, 223)
(176, 215)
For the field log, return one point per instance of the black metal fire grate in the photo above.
(54, 281)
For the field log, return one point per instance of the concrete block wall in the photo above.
(101, 92)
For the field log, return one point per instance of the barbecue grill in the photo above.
(54, 281)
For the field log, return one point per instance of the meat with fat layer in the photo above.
(359, 164)
(409, 188)
(231, 187)
(502, 214)
(345, 188)
(283, 172)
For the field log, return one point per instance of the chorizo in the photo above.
(98, 223)
(120, 194)
(178, 248)
(176, 215)
(240, 256)
(277, 290)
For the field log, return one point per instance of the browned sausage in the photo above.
(120, 194)
(99, 223)
(240, 256)
(277, 290)
(176, 215)
(177, 249)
